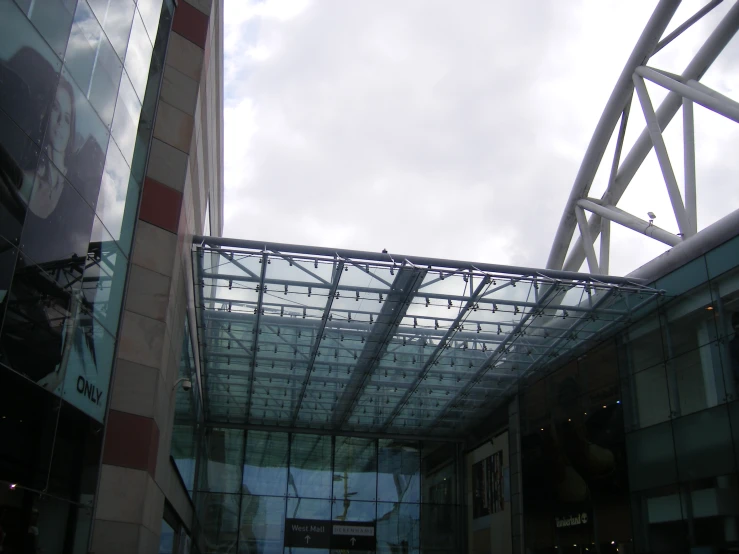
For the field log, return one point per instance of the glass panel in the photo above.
(699, 380)
(651, 457)
(265, 467)
(399, 475)
(650, 400)
(723, 258)
(690, 322)
(118, 199)
(685, 278)
(220, 522)
(150, 11)
(92, 62)
(38, 320)
(439, 484)
(310, 466)
(126, 121)
(659, 520)
(703, 444)
(734, 419)
(29, 72)
(355, 469)
(643, 346)
(104, 278)
(115, 16)
(184, 452)
(166, 539)
(398, 527)
(308, 508)
(18, 159)
(725, 293)
(138, 56)
(59, 222)
(262, 524)
(440, 528)
(28, 417)
(225, 459)
(353, 510)
(8, 256)
(53, 19)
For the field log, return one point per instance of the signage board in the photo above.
(316, 533)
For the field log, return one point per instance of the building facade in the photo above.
(111, 148)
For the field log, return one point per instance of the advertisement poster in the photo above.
(487, 486)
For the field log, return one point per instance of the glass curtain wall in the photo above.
(252, 481)
(634, 447)
(79, 81)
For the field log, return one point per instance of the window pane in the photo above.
(59, 222)
(643, 346)
(225, 459)
(310, 466)
(18, 159)
(699, 380)
(138, 56)
(150, 11)
(126, 121)
(29, 72)
(440, 526)
(262, 524)
(353, 510)
(115, 16)
(355, 469)
(703, 444)
(398, 527)
(265, 467)
(690, 322)
(118, 199)
(166, 539)
(308, 508)
(650, 401)
(184, 445)
(53, 19)
(220, 522)
(399, 475)
(651, 457)
(8, 256)
(38, 320)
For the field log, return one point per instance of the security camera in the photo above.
(186, 385)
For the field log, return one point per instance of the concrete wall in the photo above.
(185, 166)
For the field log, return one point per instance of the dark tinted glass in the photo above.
(399, 471)
(53, 19)
(310, 466)
(115, 17)
(118, 199)
(18, 159)
(29, 71)
(28, 417)
(8, 255)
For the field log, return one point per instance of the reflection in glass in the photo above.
(310, 466)
(126, 120)
(29, 72)
(225, 459)
(399, 471)
(220, 521)
(115, 17)
(308, 508)
(138, 56)
(118, 199)
(166, 539)
(150, 11)
(353, 510)
(262, 524)
(440, 524)
(53, 19)
(355, 469)
(8, 255)
(265, 466)
(398, 527)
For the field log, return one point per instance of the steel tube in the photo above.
(691, 207)
(587, 242)
(630, 221)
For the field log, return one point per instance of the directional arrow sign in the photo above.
(353, 541)
(307, 533)
(353, 536)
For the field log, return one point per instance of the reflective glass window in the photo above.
(398, 527)
(399, 471)
(440, 525)
(150, 11)
(703, 444)
(166, 539)
(689, 322)
(104, 278)
(220, 519)
(118, 199)
(58, 222)
(184, 452)
(8, 256)
(18, 159)
(698, 379)
(308, 508)
(650, 400)
(28, 417)
(115, 16)
(126, 121)
(310, 466)
(355, 469)
(225, 460)
(723, 258)
(347, 509)
(265, 465)
(29, 71)
(643, 346)
(262, 524)
(138, 56)
(725, 293)
(92, 62)
(39, 315)
(651, 457)
(53, 19)
(439, 483)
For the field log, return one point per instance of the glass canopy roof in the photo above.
(316, 338)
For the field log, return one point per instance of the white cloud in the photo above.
(443, 129)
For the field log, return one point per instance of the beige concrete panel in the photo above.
(115, 537)
(148, 292)
(142, 340)
(173, 126)
(185, 56)
(179, 90)
(167, 164)
(135, 389)
(121, 494)
(154, 248)
(153, 506)
(203, 5)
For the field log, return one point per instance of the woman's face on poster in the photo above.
(60, 122)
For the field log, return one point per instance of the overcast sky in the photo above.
(447, 129)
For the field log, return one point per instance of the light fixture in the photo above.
(709, 308)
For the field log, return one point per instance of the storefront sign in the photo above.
(316, 533)
(572, 520)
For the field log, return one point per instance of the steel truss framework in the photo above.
(296, 337)
(684, 91)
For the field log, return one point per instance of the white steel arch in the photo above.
(683, 91)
